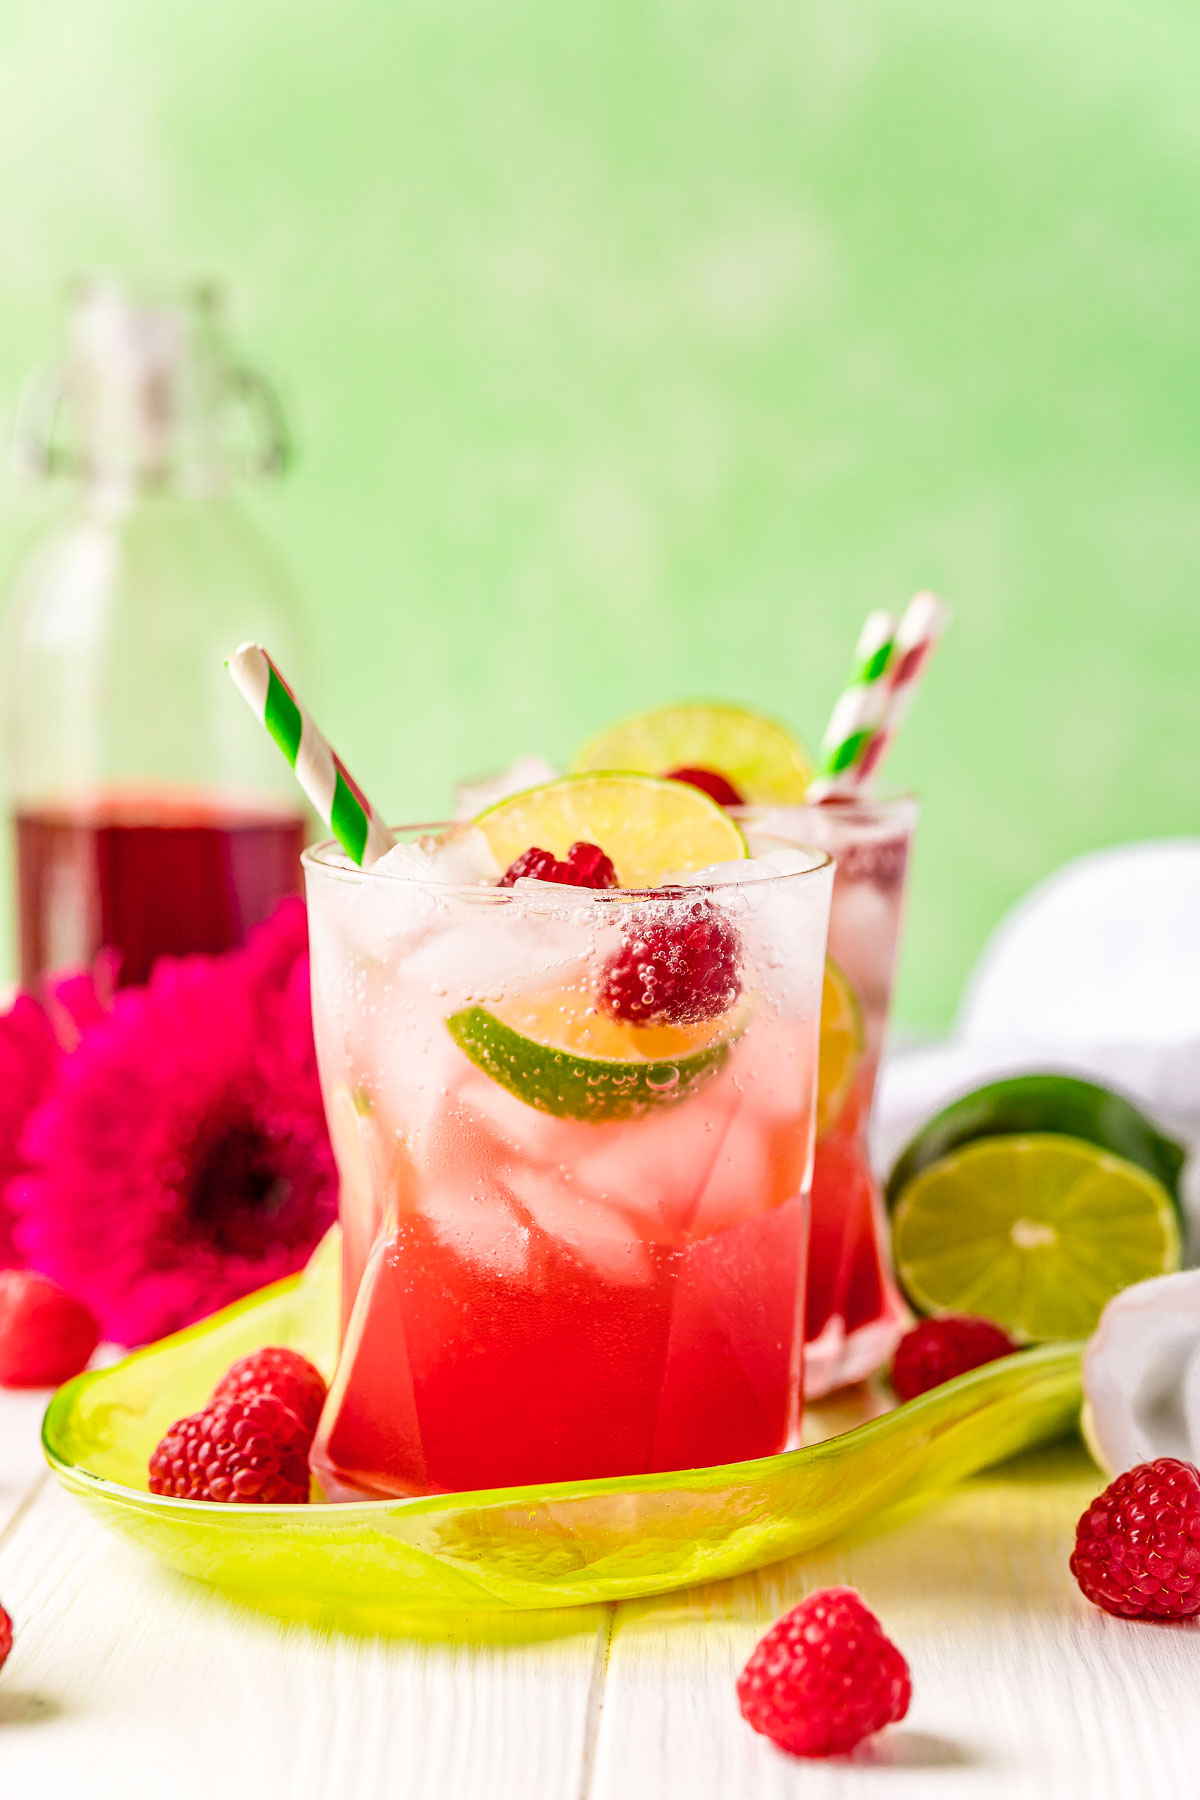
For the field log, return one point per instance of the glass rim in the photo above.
(329, 858)
(902, 804)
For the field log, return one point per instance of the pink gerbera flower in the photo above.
(182, 1158)
(29, 1052)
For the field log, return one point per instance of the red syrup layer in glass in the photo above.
(454, 1376)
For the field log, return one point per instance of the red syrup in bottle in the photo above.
(146, 874)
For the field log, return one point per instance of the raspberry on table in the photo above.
(284, 1373)
(6, 1636)
(824, 1677)
(718, 787)
(248, 1449)
(46, 1335)
(585, 865)
(1137, 1547)
(937, 1350)
(677, 970)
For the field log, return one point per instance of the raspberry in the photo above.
(937, 1350)
(678, 971)
(45, 1335)
(718, 787)
(585, 865)
(284, 1373)
(250, 1449)
(1137, 1547)
(824, 1677)
(6, 1636)
(535, 864)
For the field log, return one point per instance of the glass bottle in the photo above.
(152, 814)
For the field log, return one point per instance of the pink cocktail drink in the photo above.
(854, 1313)
(573, 1247)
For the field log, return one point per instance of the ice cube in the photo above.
(783, 925)
(461, 858)
(739, 1179)
(473, 797)
(368, 920)
(464, 858)
(598, 1235)
(654, 1167)
(481, 1227)
(749, 868)
(406, 862)
(788, 859)
(516, 1125)
(772, 1064)
(863, 927)
(498, 951)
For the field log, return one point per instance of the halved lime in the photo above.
(1036, 1232)
(841, 1045)
(649, 828)
(1042, 1102)
(558, 1053)
(763, 760)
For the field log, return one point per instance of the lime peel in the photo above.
(557, 1079)
(764, 760)
(648, 827)
(1035, 1231)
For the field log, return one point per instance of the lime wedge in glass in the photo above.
(649, 828)
(1049, 1102)
(765, 763)
(559, 1054)
(841, 1045)
(1036, 1232)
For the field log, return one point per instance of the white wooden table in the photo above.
(130, 1683)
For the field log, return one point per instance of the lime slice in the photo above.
(1037, 1233)
(765, 763)
(649, 828)
(557, 1053)
(1061, 1104)
(841, 1045)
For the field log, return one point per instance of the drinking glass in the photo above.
(573, 1247)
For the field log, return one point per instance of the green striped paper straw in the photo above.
(922, 623)
(324, 777)
(859, 709)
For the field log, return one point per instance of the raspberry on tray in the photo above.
(284, 1373)
(247, 1450)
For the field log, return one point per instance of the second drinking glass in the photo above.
(854, 1313)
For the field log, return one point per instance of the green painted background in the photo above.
(638, 350)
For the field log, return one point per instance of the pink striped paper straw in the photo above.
(889, 662)
(922, 623)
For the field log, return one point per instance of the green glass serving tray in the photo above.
(516, 1549)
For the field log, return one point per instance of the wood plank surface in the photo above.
(123, 1671)
(1021, 1689)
